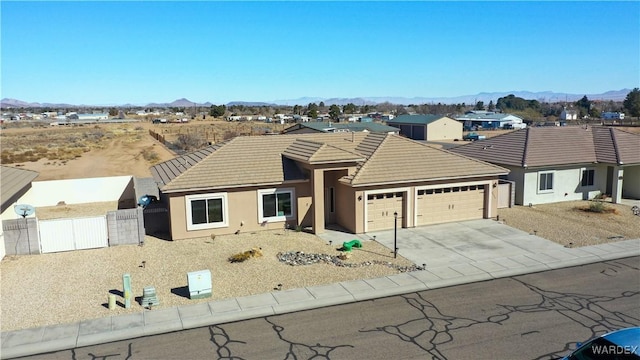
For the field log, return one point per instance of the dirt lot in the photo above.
(570, 224)
(65, 152)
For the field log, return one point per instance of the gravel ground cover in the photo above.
(72, 286)
(568, 223)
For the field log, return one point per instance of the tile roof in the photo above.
(548, 146)
(166, 171)
(380, 158)
(415, 119)
(350, 126)
(313, 152)
(13, 184)
(400, 160)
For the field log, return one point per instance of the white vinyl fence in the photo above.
(73, 234)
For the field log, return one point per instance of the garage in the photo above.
(446, 204)
(380, 209)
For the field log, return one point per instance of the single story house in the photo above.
(359, 181)
(329, 127)
(427, 127)
(568, 114)
(552, 164)
(481, 119)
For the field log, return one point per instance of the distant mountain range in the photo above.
(543, 96)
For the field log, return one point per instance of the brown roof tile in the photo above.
(382, 158)
(399, 160)
(314, 152)
(548, 146)
(13, 184)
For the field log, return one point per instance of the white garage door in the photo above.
(446, 204)
(380, 209)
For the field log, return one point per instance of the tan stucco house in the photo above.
(553, 164)
(354, 180)
(427, 127)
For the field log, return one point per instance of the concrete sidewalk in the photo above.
(454, 254)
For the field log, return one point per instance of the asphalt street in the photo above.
(536, 316)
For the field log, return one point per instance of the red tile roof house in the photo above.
(552, 164)
(354, 180)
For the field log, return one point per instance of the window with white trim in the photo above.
(206, 211)
(545, 181)
(276, 204)
(588, 177)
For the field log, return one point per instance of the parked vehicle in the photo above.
(473, 136)
(619, 344)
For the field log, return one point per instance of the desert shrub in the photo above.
(246, 255)
(6, 157)
(597, 207)
(150, 155)
(138, 128)
(229, 135)
(189, 142)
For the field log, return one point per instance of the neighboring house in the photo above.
(14, 183)
(612, 115)
(355, 180)
(568, 115)
(427, 127)
(320, 127)
(490, 120)
(552, 164)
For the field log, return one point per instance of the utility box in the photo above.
(199, 284)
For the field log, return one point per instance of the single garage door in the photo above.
(446, 204)
(380, 209)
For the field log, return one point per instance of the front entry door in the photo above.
(329, 205)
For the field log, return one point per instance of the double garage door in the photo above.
(448, 204)
(433, 206)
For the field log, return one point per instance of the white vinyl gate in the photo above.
(73, 234)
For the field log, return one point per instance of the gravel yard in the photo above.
(568, 222)
(72, 286)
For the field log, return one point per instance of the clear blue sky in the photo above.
(101, 53)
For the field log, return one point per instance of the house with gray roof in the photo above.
(481, 119)
(14, 183)
(331, 127)
(360, 181)
(552, 164)
(427, 127)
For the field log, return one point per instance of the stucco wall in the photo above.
(444, 129)
(242, 212)
(346, 207)
(566, 185)
(631, 182)
(77, 191)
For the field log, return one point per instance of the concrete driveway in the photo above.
(455, 243)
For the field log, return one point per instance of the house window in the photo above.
(276, 204)
(588, 176)
(206, 211)
(546, 182)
